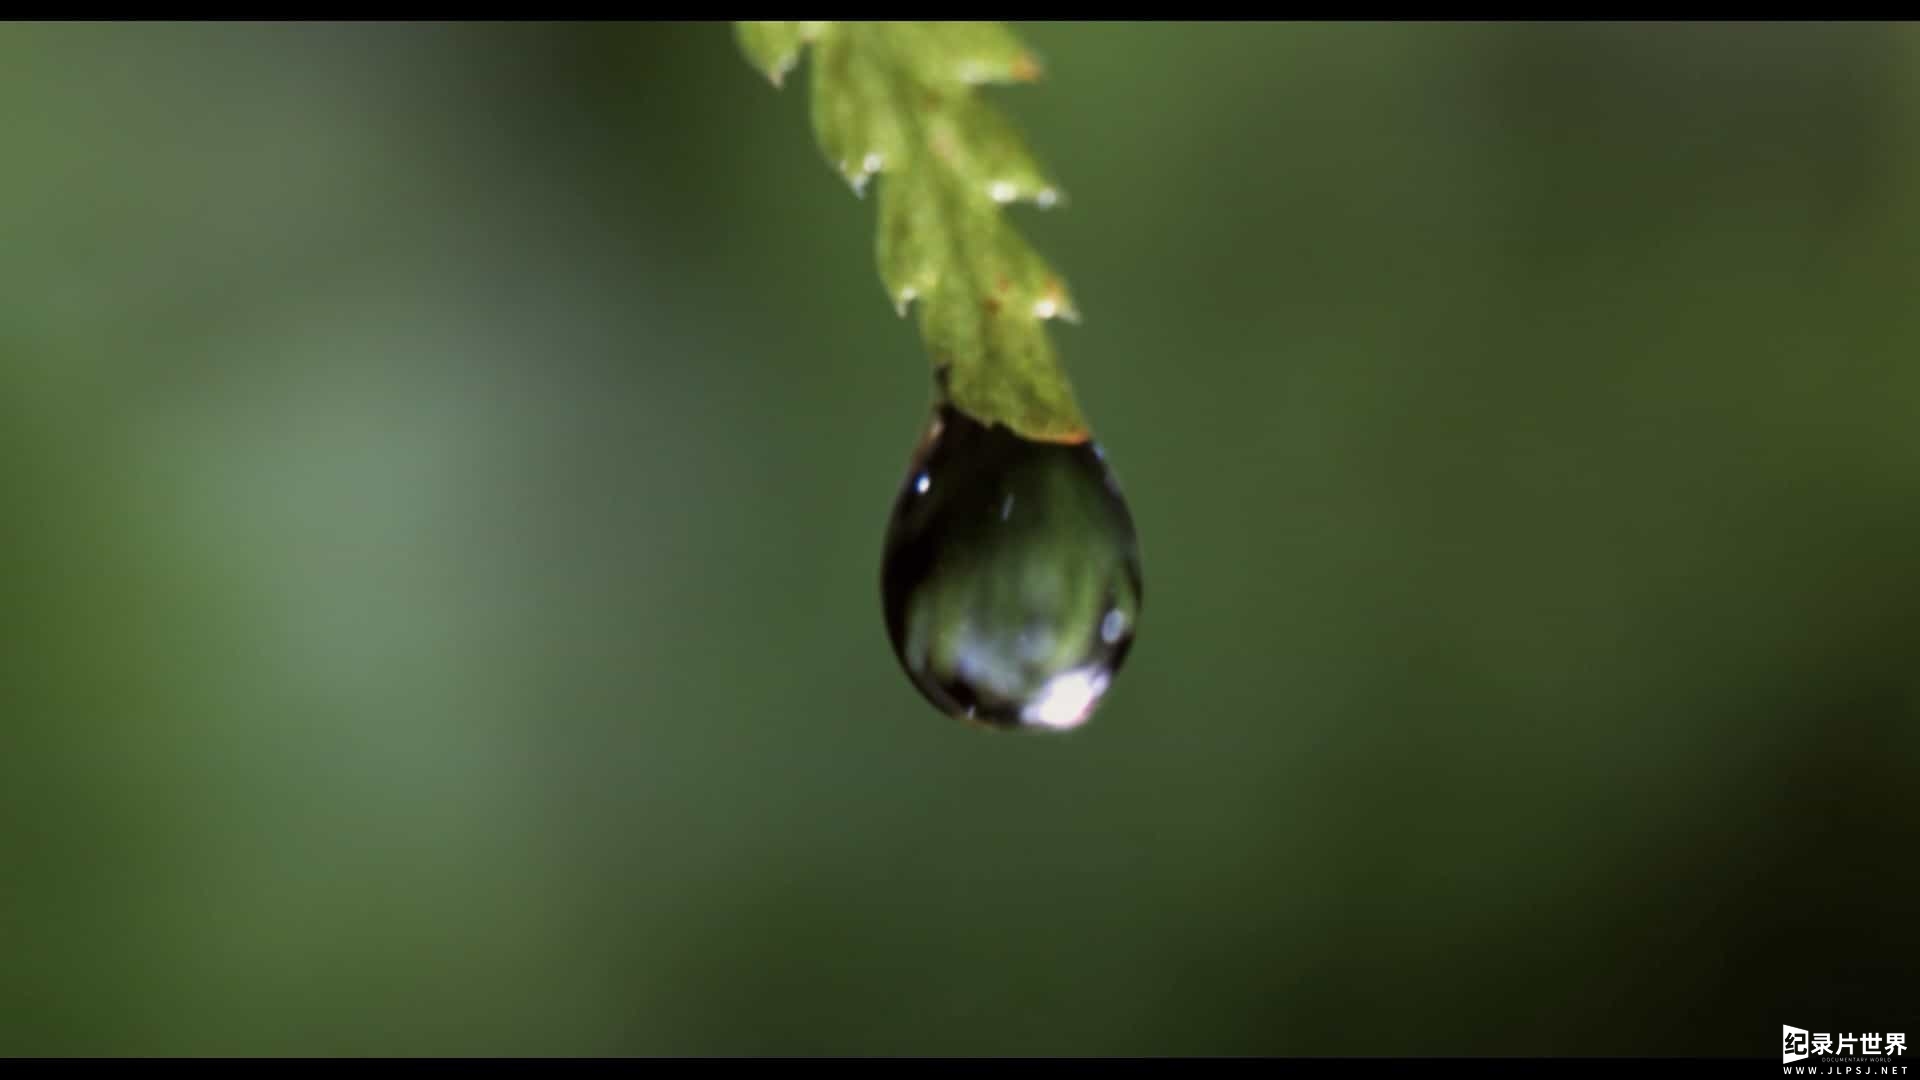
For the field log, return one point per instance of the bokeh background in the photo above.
(442, 473)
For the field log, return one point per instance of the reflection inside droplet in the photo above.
(1011, 576)
(1067, 699)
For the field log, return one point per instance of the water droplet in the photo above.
(1010, 620)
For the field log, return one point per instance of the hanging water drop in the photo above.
(1011, 576)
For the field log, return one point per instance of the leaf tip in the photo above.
(1054, 303)
(857, 177)
(1008, 191)
(771, 47)
(1022, 67)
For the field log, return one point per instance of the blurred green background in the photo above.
(444, 474)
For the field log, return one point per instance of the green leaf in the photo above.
(898, 104)
(774, 47)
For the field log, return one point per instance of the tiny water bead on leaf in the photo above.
(1011, 577)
